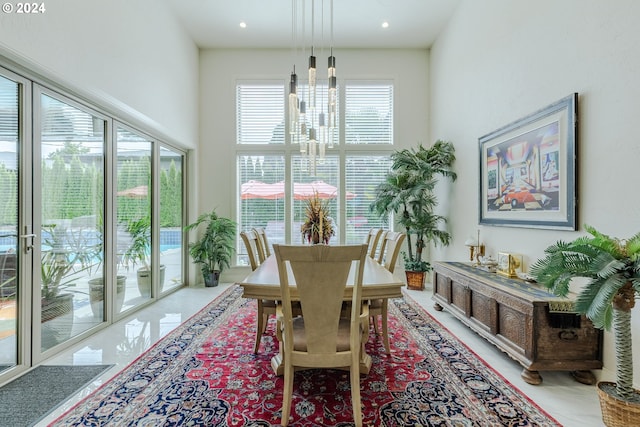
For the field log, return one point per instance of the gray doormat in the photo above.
(28, 398)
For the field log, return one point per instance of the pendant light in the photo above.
(313, 125)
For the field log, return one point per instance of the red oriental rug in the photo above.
(204, 373)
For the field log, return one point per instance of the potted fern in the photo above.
(612, 269)
(408, 192)
(214, 248)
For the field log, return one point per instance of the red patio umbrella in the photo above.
(301, 191)
(306, 190)
(139, 191)
(261, 190)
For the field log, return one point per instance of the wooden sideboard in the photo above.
(531, 325)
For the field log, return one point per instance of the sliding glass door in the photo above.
(71, 176)
(91, 219)
(171, 218)
(10, 92)
(133, 217)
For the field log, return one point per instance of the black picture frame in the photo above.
(528, 170)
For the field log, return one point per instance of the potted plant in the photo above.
(68, 253)
(214, 247)
(96, 284)
(139, 252)
(96, 294)
(408, 192)
(611, 268)
(318, 226)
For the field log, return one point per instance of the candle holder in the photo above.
(476, 249)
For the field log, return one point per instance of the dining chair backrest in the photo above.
(320, 338)
(250, 239)
(263, 241)
(390, 249)
(321, 273)
(373, 237)
(383, 246)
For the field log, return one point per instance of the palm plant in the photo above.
(408, 192)
(612, 267)
(139, 250)
(214, 248)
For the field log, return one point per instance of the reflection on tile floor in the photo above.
(571, 403)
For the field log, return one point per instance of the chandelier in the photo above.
(312, 119)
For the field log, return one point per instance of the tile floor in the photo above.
(571, 403)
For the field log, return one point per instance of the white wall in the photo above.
(499, 60)
(132, 55)
(220, 69)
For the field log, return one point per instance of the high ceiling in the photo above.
(356, 23)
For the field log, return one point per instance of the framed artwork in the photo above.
(528, 170)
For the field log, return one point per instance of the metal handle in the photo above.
(29, 239)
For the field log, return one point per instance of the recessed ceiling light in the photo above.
(385, 24)
(243, 24)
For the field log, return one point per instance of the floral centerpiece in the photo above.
(318, 226)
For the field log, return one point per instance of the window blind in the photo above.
(368, 113)
(261, 200)
(327, 178)
(8, 111)
(363, 173)
(260, 113)
(265, 173)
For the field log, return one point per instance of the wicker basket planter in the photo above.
(415, 280)
(617, 412)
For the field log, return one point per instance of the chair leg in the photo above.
(355, 390)
(374, 319)
(287, 393)
(385, 327)
(260, 327)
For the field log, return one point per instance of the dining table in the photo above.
(377, 282)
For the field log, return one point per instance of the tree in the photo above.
(408, 191)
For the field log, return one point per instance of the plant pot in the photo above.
(211, 279)
(56, 306)
(615, 411)
(96, 295)
(415, 280)
(144, 281)
(57, 319)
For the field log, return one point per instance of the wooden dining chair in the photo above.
(265, 307)
(381, 246)
(263, 241)
(379, 307)
(373, 237)
(320, 338)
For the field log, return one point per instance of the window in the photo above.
(85, 181)
(261, 198)
(326, 182)
(71, 142)
(171, 214)
(362, 175)
(260, 114)
(369, 113)
(273, 175)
